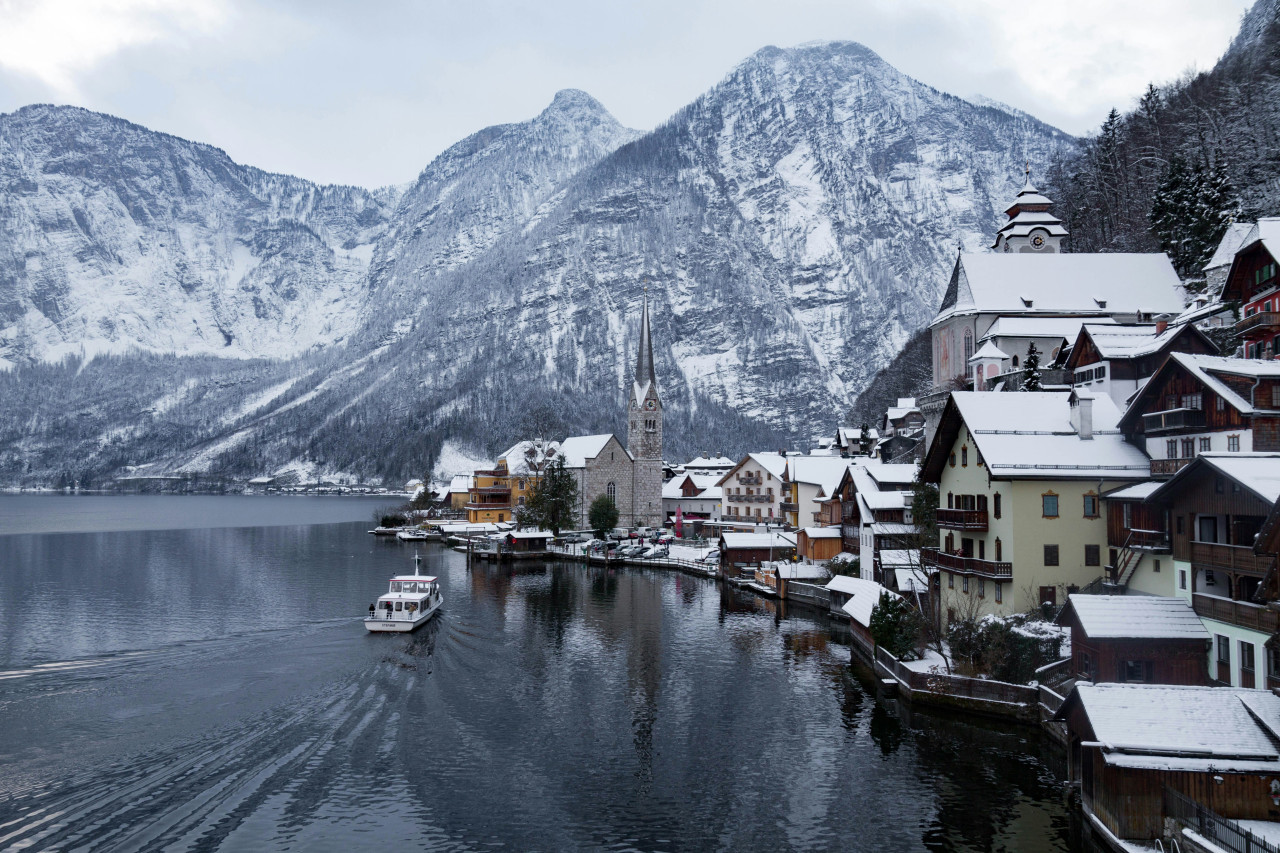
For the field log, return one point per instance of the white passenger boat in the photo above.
(413, 534)
(412, 600)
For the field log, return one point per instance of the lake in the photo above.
(192, 673)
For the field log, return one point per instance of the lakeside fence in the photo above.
(1223, 832)
(979, 694)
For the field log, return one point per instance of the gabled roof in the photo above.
(1028, 435)
(1265, 233)
(1207, 369)
(517, 461)
(1197, 729)
(825, 472)
(461, 483)
(577, 449)
(866, 595)
(1134, 492)
(989, 350)
(704, 483)
(1082, 284)
(774, 463)
(1135, 617)
(1115, 342)
(888, 473)
(758, 540)
(1230, 243)
(709, 462)
(1257, 472)
(821, 532)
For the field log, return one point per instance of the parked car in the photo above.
(658, 552)
(665, 539)
(630, 550)
(710, 557)
(646, 552)
(620, 533)
(575, 538)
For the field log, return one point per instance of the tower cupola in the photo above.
(1031, 228)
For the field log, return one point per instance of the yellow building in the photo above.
(1020, 478)
(497, 493)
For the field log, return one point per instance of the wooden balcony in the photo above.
(1229, 558)
(933, 558)
(962, 519)
(1173, 420)
(1167, 467)
(1242, 614)
(786, 506)
(1263, 320)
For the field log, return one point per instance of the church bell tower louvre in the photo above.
(644, 431)
(1032, 228)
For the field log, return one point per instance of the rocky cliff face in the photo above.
(793, 226)
(113, 237)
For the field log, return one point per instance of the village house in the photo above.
(872, 506)
(1202, 403)
(849, 442)
(818, 544)
(691, 500)
(746, 551)
(1020, 479)
(1219, 504)
(1142, 753)
(1002, 351)
(1116, 360)
(715, 466)
(901, 433)
(1027, 277)
(856, 598)
(754, 490)
(1142, 639)
(1138, 546)
(460, 491)
(1252, 282)
(808, 481)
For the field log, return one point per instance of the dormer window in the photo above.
(1027, 302)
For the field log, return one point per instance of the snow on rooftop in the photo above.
(1145, 617)
(578, 449)
(822, 532)
(710, 462)
(1042, 327)
(1135, 492)
(800, 571)
(1204, 368)
(824, 472)
(893, 528)
(1188, 728)
(865, 596)
(1259, 472)
(894, 558)
(911, 579)
(1130, 341)
(758, 540)
(989, 350)
(1004, 283)
(1029, 434)
(1230, 243)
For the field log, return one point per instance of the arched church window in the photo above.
(1015, 361)
(612, 491)
(968, 345)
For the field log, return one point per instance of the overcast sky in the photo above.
(368, 92)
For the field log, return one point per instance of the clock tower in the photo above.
(644, 432)
(1031, 228)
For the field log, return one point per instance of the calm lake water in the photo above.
(205, 683)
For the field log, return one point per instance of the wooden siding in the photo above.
(1172, 661)
(1142, 516)
(1176, 381)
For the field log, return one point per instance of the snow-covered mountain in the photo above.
(114, 237)
(793, 226)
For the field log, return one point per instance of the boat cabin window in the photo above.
(395, 586)
(399, 605)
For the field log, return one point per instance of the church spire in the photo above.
(644, 359)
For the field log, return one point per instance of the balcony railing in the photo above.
(962, 519)
(786, 506)
(1167, 467)
(1261, 320)
(1231, 558)
(749, 479)
(1172, 420)
(1148, 540)
(933, 558)
(493, 490)
(1239, 613)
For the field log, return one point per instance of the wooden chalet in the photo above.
(1116, 359)
(740, 551)
(1199, 403)
(1143, 639)
(1142, 753)
(1218, 505)
(1252, 282)
(1137, 540)
(818, 544)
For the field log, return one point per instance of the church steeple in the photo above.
(1031, 226)
(644, 429)
(644, 359)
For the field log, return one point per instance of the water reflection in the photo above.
(549, 706)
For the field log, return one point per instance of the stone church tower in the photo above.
(1031, 228)
(644, 433)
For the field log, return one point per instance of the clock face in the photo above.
(650, 404)
(1038, 241)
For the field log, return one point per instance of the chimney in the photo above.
(1161, 325)
(1082, 416)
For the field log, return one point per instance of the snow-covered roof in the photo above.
(531, 534)
(906, 405)
(869, 493)
(801, 571)
(1029, 435)
(1136, 617)
(893, 528)
(865, 596)
(912, 579)
(517, 455)
(1267, 231)
(894, 558)
(1230, 243)
(1130, 341)
(844, 583)
(758, 540)
(989, 351)
(1195, 313)
(1041, 327)
(1204, 368)
(892, 473)
(710, 462)
(1085, 283)
(1257, 472)
(1134, 492)
(1201, 729)
(578, 449)
(774, 463)
(704, 483)
(825, 472)
(461, 483)
(822, 532)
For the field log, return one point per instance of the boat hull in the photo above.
(379, 625)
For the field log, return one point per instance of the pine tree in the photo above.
(864, 439)
(1031, 370)
(603, 515)
(553, 499)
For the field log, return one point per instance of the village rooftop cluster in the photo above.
(1098, 459)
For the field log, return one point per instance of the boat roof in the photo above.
(427, 578)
